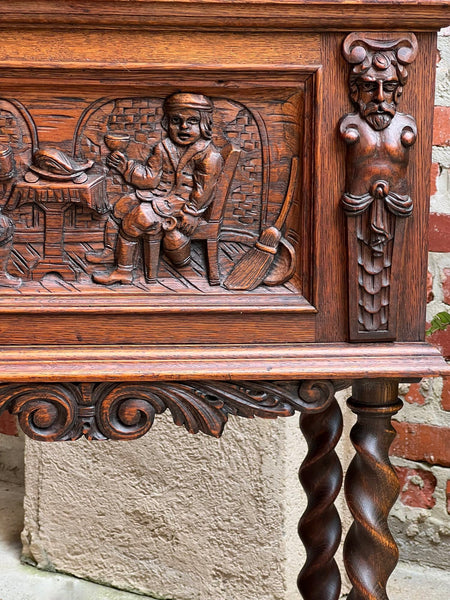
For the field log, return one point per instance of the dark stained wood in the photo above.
(371, 488)
(126, 411)
(320, 526)
(150, 147)
(217, 361)
(376, 199)
(315, 221)
(328, 219)
(165, 329)
(418, 97)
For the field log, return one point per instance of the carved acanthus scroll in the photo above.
(57, 412)
(376, 198)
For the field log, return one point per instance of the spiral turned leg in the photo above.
(320, 526)
(371, 488)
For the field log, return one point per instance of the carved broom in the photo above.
(252, 268)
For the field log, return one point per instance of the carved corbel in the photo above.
(376, 199)
(121, 411)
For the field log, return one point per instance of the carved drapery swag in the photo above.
(376, 199)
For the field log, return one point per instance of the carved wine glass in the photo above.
(117, 141)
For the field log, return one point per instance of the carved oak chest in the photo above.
(220, 208)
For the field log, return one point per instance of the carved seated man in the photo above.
(174, 187)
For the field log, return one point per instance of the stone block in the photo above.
(172, 515)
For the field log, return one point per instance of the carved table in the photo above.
(54, 198)
(263, 178)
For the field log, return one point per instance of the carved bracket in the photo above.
(376, 199)
(122, 411)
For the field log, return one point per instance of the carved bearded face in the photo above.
(377, 96)
(184, 126)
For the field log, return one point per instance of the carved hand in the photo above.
(118, 161)
(188, 224)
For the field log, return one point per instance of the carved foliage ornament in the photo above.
(376, 198)
(99, 411)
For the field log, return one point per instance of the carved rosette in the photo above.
(376, 199)
(121, 411)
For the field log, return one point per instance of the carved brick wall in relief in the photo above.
(376, 199)
(180, 192)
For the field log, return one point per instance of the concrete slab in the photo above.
(414, 582)
(20, 582)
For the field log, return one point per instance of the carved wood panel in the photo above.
(176, 183)
(165, 193)
(376, 199)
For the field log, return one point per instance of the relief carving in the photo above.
(174, 189)
(18, 140)
(155, 194)
(121, 411)
(7, 174)
(54, 183)
(376, 198)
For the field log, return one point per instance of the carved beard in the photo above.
(379, 116)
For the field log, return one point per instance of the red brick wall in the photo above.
(423, 427)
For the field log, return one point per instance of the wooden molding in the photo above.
(125, 363)
(325, 15)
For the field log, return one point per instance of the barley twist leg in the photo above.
(371, 488)
(320, 526)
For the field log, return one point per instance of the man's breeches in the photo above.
(137, 217)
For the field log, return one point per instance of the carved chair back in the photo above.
(210, 224)
(209, 227)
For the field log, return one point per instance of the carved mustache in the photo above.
(382, 107)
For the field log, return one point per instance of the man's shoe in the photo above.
(119, 275)
(105, 256)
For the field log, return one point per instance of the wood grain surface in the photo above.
(230, 14)
(117, 120)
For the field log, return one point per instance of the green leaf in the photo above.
(439, 322)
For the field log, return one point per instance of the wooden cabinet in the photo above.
(220, 208)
